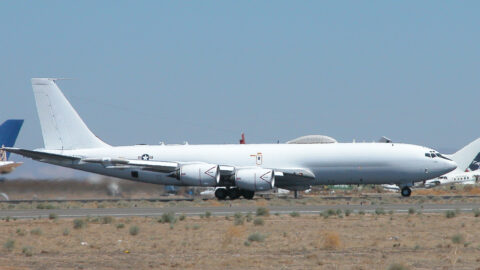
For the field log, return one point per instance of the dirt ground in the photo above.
(356, 241)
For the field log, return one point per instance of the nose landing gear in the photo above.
(406, 192)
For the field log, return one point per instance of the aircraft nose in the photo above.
(453, 165)
(450, 166)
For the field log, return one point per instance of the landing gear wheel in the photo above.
(221, 193)
(406, 192)
(247, 194)
(233, 193)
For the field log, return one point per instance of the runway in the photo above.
(266, 197)
(226, 210)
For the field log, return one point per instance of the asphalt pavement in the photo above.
(227, 210)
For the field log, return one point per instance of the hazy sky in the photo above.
(204, 71)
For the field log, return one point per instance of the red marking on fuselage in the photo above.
(242, 140)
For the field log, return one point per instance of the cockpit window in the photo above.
(442, 156)
(436, 154)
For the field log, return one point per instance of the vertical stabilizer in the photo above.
(8, 134)
(62, 127)
(467, 155)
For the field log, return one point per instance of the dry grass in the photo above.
(261, 202)
(331, 240)
(233, 233)
(215, 203)
(309, 241)
(474, 191)
(432, 191)
(447, 190)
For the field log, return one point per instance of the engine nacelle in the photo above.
(255, 179)
(199, 174)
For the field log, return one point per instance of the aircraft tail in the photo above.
(62, 127)
(8, 134)
(468, 158)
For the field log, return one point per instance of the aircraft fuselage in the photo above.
(337, 163)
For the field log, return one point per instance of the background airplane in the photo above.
(468, 162)
(464, 178)
(8, 135)
(239, 169)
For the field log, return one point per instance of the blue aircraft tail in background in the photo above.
(9, 132)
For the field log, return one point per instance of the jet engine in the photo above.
(255, 179)
(199, 174)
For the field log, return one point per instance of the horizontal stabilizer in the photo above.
(9, 167)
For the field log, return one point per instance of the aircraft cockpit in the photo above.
(433, 154)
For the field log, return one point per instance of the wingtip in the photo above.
(9, 149)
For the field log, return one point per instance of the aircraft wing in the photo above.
(40, 156)
(294, 178)
(114, 163)
(155, 166)
(147, 165)
(291, 178)
(287, 178)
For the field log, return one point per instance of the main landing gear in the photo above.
(406, 192)
(221, 193)
(233, 193)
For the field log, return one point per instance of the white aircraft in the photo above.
(468, 162)
(390, 187)
(8, 135)
(465, 178)
(239, 169)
